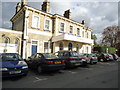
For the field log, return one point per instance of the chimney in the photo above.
(83, 22)
(18, 7)
(24, 3)
(46, 6)
(67, 14)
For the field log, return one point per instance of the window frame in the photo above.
(38, 22)
(47, 29)
(62, 31)
(71, 29)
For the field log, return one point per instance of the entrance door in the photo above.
(34, 47)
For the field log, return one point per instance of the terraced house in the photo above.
(36, 30)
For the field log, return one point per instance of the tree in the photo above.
(93, 36)
(111, 36)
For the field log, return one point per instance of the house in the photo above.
(40, 31)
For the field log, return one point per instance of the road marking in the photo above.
(39, 79)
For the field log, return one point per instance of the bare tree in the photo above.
(111, 36)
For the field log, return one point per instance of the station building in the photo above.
(35, 30)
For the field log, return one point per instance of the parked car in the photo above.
(110, 57)
(85, 60)
(93, 58)
(45, 62)
(12, 65)
(103, 57)
(115, 56)
(71, 58)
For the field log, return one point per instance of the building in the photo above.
(39, 31)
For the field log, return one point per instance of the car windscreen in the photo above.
(74, 54)
(10, 57)
(49, 56)
(92, 55)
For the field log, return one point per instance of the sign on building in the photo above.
(8, 48)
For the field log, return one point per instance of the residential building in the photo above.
(43, 32)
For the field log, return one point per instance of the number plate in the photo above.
(57, 62)
(77, 64)
(14, 72)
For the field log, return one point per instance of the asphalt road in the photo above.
(101, 75)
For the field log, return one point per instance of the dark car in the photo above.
(45, 62)
(71, 58)
(103, 57)
(12, 65)
(115, 57)
(93, 58)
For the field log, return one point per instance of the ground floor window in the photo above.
(61, 46)
(70, 46)
(87, 49)
(45, 47)
(77, 47)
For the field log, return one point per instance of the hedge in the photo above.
(105, 49)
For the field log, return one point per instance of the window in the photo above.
(78, 31)
(6, 40)
(71, 29)
(62, 27)
(61, 46)
(70, 46)
(87, 35)
(45, 47)
(77, 47)
(47, 24)
(36, 22)
(87, 49)
(16, 41)
(82, 33)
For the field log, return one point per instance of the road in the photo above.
(101, 75)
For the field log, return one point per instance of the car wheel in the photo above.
(39, 69)
(95, 62)
(91, 63)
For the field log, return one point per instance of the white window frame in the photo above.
(70, 29)
(44, 46)
(47, 29)
(77, 31)
(37, 27)
(63, 28)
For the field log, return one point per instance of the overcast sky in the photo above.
(98, 15)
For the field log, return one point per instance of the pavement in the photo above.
(100, 75)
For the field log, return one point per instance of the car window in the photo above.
(38, 56)
(66, 54)
(74, 54)
(60, 54)
(10, 56)
(49, 56)
(33, 56)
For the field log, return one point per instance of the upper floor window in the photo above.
(62, 25)
(16, 41)
(47, 24)
(82, 33)
(87, 35)
(36, 21)
(71, 29)
(6, 40)
(78, 31)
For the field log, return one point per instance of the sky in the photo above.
(97, 14)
